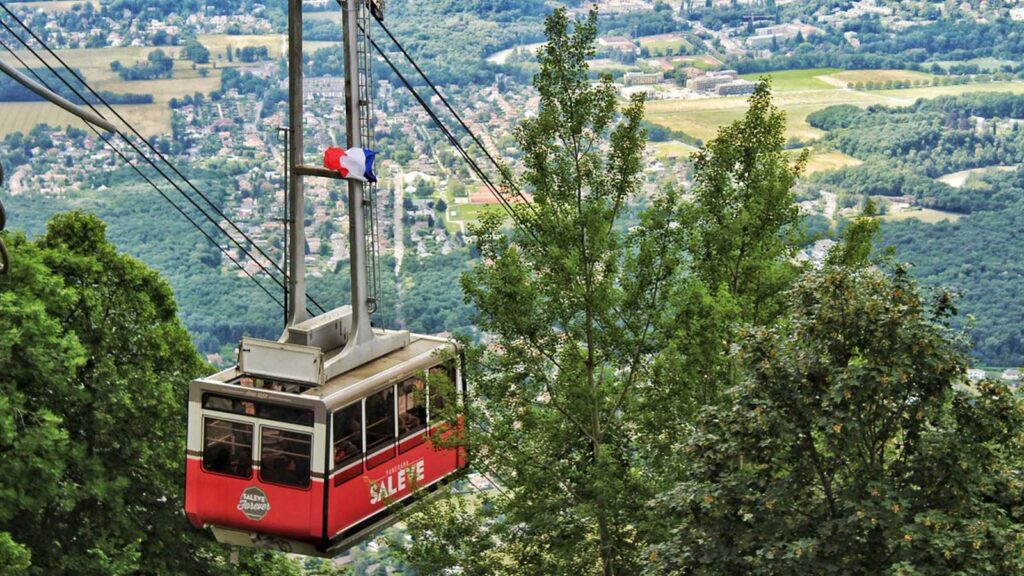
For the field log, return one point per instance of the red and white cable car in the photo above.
(312, 469)
(311, 442)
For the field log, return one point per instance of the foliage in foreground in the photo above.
(854, 446)
(95, 367)
(605, 340)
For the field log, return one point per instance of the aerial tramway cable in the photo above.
(454, 142)
(102, 100)
(151, 183)
(501, 169)
(150, 161)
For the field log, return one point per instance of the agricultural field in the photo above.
(912, 94)
(792, 80)
(149, 119)
(94, 63)
(926, 215)
(53, 5)
(153, 118)
(847, 77)
(23, 116)
(823, 161)
(671, 149)
(701, 117)
(987, 64)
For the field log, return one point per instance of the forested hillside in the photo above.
(905, 151)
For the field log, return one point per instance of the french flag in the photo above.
(354, 163)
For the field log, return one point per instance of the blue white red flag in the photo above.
(354, 163)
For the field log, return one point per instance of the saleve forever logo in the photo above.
(254, 503)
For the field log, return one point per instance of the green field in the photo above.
(702, 117)
(671, 149)
(473, 212)
(790, 80)
(828, 160)
(935, 91)
(987, 64)
(854, 76)
(926, 215)
(660, 45)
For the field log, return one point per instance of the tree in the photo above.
(855, 445)
(570, 298)
(742, 230)
(196, 52)
(96, 368)
(745, 212)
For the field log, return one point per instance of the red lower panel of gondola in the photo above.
(252, 505)
(353, 501)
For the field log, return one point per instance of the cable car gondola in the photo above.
(311, 442)
(276, 462)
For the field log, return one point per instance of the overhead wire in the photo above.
(495, 191)
(102, 100)
(148, 160)
(150, 182)
(509, 180)
(454, 141)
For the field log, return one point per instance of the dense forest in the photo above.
(904, 151)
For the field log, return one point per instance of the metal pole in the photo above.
(286, 219)
(45, 93)
(296, 200)
(361, 328)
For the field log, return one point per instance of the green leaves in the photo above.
(95, 370)
(853, 446)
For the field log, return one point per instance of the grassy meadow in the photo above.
(926, 215)
(800, 93)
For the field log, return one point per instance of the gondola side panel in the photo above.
(364, 496)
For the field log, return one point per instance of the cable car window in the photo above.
(412, 409)
(348, 435)
(227, 447)
(442, 389)
(380, 419)
(284, 457)
(265, 410)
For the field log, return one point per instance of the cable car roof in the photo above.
(421, 353)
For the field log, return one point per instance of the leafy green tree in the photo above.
(854, 446)
(95, 370)
(571, 300)
(196, 52)
(741, 230)
(746, 214)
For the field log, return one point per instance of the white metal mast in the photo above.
(319, 348)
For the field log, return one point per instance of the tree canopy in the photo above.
(854, 445)
(95, 370)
